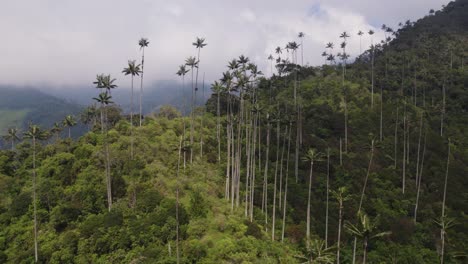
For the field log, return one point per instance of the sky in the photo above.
(65, 43)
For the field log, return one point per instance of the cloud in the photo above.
(66, 43)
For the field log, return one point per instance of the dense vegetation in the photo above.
(347, 162)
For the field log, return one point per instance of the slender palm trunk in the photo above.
(396, 139)
(404, 151)
(273, 215)
(362, 195)
(372, 78)
(192, 115)
(36, 254)
(419, 148)
(442, 113)
(265, 176)
(442, 231)
(381, 114)
(69, 132)
(141, 84)
(308, 203)
(286, 183)
(177, 202)
(364, 257)
(420, 179)
(328, 191)
(131, 122)
(218, 126)
(202, 117)
(341, 152)
(338, 242)
(281, 167)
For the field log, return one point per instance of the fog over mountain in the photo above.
(66, 43)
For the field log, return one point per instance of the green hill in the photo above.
(19, 106)
(306, 164)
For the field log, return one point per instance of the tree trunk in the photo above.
(141, 83)
(362, 195)
(404, 152)
(273, 215)
(364, 257)
(396, 139)
(340, 219)
(131, 123)
(308, 204)
(265, 176)
(420, 179)
(286, 183)
(328, 191)
(36, 254)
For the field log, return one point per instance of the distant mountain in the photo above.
(155, 95)
(19, 106)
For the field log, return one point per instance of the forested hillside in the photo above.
(19, 106)
(361, 161)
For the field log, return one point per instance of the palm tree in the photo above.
(363, 192)
(301, 35)
(199, 44)
(69, 122)
(182, 72)
(12, 136)
(132, 69)
(88, 116)
(35, 133)
(341, 196)
(344, 57)
(217, 89)
(371, 33)
(328, 192)
(56, 129)
(106, 83)
(365, 230)
(318, 253)
(192, 63)
(444, 223)
(311, 156)
(143, 43)
(360, 33)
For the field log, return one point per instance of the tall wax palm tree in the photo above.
(344, 57)
(143, 43)
(360, 33)
(444, 223)
(182, 72)
(301, 35)
(35, 133)
(88, 116)
(69, 122)
(365, 230)
(362, 194)
(341, 195)
(56, 129)
(311, 156)
(106, 83)
(199, 44)
(134, 70)
(218, 89)
(371, 33)
(12, 136)
(192, 63)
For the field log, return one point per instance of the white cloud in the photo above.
(66, 42)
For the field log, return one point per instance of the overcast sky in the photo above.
(67, 42)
